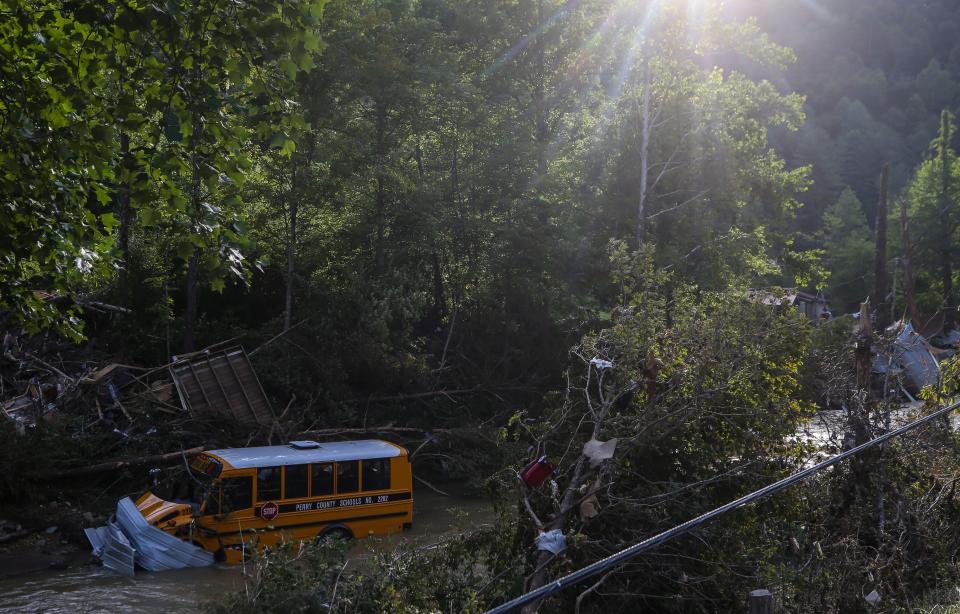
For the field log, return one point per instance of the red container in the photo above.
(536, 472)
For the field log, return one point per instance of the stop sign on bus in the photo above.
(269, 510)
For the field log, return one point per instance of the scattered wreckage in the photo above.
(128, 540)
(912, 358)
(209, 384)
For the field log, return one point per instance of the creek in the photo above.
(87, 587)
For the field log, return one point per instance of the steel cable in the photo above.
(626, 554)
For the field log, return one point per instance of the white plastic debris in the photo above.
(599, 451)
(873, 597)
(552, 541)
(601, 364)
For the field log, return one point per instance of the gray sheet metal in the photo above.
(912, 357)
(131, 539)
(112, 547)
(154, 549)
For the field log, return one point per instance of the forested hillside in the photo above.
(513, 226)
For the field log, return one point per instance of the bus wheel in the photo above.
(342, 533)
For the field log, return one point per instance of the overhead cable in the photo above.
(621, 557)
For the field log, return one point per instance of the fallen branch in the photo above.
(9, 537)
(99, 306)
(430, 486)
(274, 338)
(121, 464)
(439, 393)
(49, 366)
(373, 429)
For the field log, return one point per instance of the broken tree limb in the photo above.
(100, 306)
(438, 393)
(49, 366)
(430, 486)
(122, 464)
(420, 447)
(9, 537)
(373, 429)
(275, 337)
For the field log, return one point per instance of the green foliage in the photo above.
(457, 575)
(848, 252)
(188, 86)
(716, 381)
(935, 218)
(876, 77)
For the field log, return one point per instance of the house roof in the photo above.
(272, 456)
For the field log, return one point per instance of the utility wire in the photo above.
(626, 554)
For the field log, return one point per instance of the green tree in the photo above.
(848, 251)
(934, 219)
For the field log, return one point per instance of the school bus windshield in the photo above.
(204, 468)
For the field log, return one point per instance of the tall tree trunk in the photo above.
(126, 220)
(907, 258)
(193, 273)
(190, 320)
(381, 222)
(945, 213)
(540, 100)
(881, 282)
(644, 152)
(291, 244)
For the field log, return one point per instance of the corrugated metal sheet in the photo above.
(912, 357)
(132, 540)
(220, 384)
(155, 550)
(112, 547)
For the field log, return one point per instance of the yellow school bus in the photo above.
(240, 498)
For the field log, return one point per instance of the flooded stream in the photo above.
(90, 588)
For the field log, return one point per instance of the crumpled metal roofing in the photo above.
(112, 547)
(911, 355)
(132, 540)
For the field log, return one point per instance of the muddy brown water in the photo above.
(90, 588)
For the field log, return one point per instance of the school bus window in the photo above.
(376, 474)
(348, 477)
(295, 481)
(236, 494)
(322, 479)
(268, 483)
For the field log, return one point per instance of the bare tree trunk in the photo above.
(949, 303)
(539, 577)
(644, 153)
(189, 341)
(881, 286)
(126, 220)
(581, 475)
(190, 320)
(291, 246)
(945, 207)
(907, 258)
(379, 255)
(863, 355)
(540, 101)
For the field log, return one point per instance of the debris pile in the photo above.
(211, 384)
